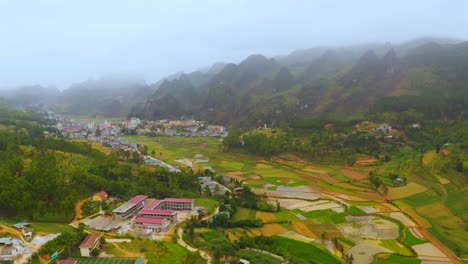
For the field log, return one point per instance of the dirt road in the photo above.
(78, 211)
(203, 253)
(428, 236)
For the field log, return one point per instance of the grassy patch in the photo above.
(346, 241)
(244, 213)
(421, 199)
(311, 252)
(318, 213)
(395, 259)
(105, 260)
(409, 239)
(299, 183)
(353, 210)
(257, 257)
(153, 251)
(209, 204)
(396, 247)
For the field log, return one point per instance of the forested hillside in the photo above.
(43, 178)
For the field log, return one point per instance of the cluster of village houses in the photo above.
(92, 130)
(111, 134)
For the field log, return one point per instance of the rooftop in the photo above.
(152, 205)
(138, 198)
(160, 212)
(130, 204)
(102, 194)
(90, 240)
(6, 240)
(21, 225)
(148, 220)
(180, 200)
(124, 207)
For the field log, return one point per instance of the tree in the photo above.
(324, 236)
(384, 189)
(376, 181)
(208, 191)
(437, 148)
(459, 166)
(191, 233)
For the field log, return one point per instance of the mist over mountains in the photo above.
(332, 83)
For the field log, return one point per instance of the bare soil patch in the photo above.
(265, 216)
(78, 211)
(429, 156)
(365, 161)
(354, 175)
(403, 219)
(297, 236)
(300, 228)
(272, 229)
(369, 227)
(429, 250)
(292, 204)
(365, 252)
(304, 192)
(444, 181)
(321, 205)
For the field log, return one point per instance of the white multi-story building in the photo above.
(130, 208)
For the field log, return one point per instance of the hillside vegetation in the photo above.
(334, 84)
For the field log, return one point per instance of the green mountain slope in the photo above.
(340, 83)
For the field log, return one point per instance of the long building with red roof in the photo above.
(153, 210)
(130, 208)
(177, 204)
(148, 225)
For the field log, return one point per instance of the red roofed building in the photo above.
(148, 225)
(177, 204)
(130, 208)
(100, 196)
(166, 214)
(89, 244)
(138, 199)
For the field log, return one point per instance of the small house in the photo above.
(89, 244)
(238, 190)
(21, 225)
(100, 196)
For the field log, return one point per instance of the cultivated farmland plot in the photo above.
(337, 200)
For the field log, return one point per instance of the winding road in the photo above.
(203, 253)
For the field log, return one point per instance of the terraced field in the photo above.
(320, 199)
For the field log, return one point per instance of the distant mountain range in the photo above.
(339, 83)
(332, 83)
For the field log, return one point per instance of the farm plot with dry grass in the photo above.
(405, 191)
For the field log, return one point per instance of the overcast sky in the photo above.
(61, 42)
